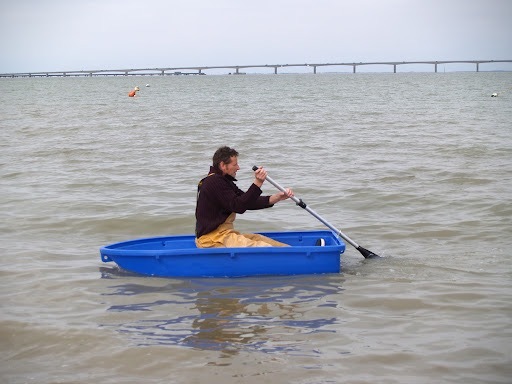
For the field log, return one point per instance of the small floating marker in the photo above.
(495, 94)
(147, 85)
(134, 92)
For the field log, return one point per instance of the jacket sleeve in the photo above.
(233, 199)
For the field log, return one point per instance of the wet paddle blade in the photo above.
(366, 253)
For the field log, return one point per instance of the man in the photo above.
(219, 200)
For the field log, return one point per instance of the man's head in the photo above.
(226, 160)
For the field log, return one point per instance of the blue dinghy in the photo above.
(175, 256)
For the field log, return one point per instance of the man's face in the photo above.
(231, 168)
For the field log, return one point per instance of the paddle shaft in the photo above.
(301, 204)
(366, 253)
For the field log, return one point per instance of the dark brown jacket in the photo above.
(218, 197)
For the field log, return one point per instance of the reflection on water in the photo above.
(268, 314)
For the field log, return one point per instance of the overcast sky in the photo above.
(54, 35)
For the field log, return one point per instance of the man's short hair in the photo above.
(223, 154)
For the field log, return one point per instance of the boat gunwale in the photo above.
(119, 248)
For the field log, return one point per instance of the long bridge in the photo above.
(235, 69)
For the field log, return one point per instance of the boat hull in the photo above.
(178, 256)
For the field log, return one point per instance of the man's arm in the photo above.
(260, 175)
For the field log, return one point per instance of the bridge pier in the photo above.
(275, 70)
(237, 72)
(435, 67)
(314, 69)
(353, 68)
(394, 68)
(477, 68)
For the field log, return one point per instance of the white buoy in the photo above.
(147, 85)
(494, 94)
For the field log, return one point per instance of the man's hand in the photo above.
(281, 196)
(260, 175)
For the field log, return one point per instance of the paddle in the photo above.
(366, 253)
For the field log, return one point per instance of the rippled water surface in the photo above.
(415, 167)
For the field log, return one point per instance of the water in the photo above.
(415, 167)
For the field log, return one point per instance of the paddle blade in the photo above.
(366, 253)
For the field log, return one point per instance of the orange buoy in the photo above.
(134, 92)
